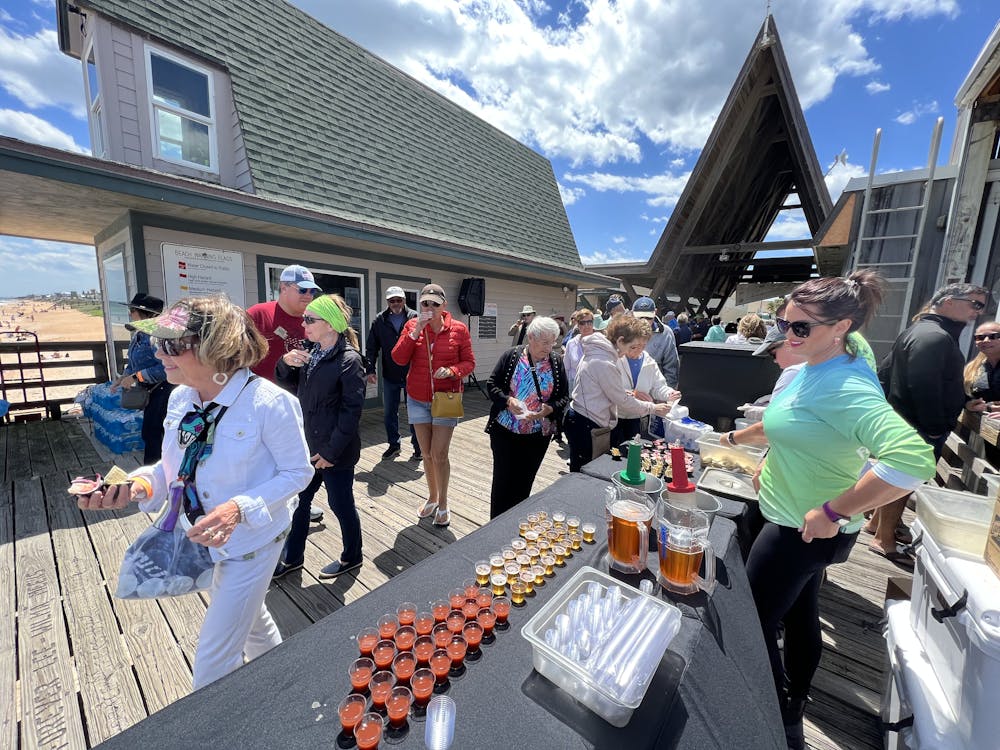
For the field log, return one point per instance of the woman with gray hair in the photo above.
(529, 392)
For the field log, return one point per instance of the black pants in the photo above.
(785, 575)
(152, 422)
(577, 429)
(516, 459)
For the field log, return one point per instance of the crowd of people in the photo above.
(847, 444)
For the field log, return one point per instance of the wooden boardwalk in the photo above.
(78, 666)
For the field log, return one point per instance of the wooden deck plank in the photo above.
(110, 695)
(18, 459)
(42, 461)
(50, 714)
(60, 446)
(8, 654)
(80, 441)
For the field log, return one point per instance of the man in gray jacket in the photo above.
(661, 346)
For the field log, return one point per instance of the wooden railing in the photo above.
(970, 453)
(26, 372)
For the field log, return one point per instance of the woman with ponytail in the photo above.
(810, 493)
(330, 382)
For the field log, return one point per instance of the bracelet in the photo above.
(730, 439)
(144, 485)
(833, 515)
(239, 512)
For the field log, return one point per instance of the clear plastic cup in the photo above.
(440, 730)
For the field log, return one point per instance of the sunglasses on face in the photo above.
(986, 336)
(587, 322)
(310, 292)
(396, 301)
(976, 304)
(175, 347)
(428, 303)
(802, 328)
(309, 320)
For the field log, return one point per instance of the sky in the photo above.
(620, 96)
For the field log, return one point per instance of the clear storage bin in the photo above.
(957, 520)
(685, 432)
(571, 675)
(741, 458)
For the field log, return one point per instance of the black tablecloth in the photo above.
(713, 688)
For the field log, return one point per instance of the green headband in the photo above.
(329, 311)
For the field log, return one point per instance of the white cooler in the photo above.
(955, 615)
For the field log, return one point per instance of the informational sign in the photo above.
(490, 310)
(488, 327)
(197, 271)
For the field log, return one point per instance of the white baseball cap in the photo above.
(395, 291)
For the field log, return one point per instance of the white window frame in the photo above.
(211, 121)
(98, 133)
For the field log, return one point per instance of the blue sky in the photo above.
(620, 95)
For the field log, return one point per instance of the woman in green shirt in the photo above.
(820, 428)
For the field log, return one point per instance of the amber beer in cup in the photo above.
(482, 572)
(589, 530)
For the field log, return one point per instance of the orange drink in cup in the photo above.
(423, 647)
(406, 613)
(368, 732)
(423, 623)
(422, 686)
(501, 608)
(383, 654)
(403, 667)
(405, 637)
(351, 709)
(387, 626)
(360, 672)
(398, 705)
(367, 638)
(380, 686)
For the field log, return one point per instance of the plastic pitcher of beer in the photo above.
(629, 515)
(682, 536)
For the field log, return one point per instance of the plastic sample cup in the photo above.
(457, 649)
(528, 581)
(496, 563)
(442, 634)
(484, 598)
(471, 608)
(383, 654)
(368, 732)
(422, 687)
(482, 572)
(487, 619)
(440, 665)
(405, 637)
(360, 672)
(517, 592)
(398, 705)
(539, 573)
(381, 685)
(423, 647)
(387, 626)
(456, 598)
(423, 623)
(403, 667)
(440, 729)
(406, 613)
(351, 709)
(573, 524)
(549, 563)
(513, 570)
(499, 583)
(523, 526)
(470, 587)
(455, 621)
(501, 608)
(588, 530)
(440, 610)
(367, 638)
(473, 634)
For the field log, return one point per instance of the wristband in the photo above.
(834, 516)
(144, 485)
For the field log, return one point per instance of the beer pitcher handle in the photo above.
(643, 544)
(707, 583)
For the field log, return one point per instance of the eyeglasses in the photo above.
(428, 303)
(976, 304)
(986, 336)
(309, 320)
(310, 291)
(396, 301)
(802, 328)
(174, 347)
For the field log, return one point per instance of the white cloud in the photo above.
(663, 190)
(588, 90)
(876, 87)
(36, 267)
(917, 111)
(613, 255)
(570, 195)
(790, 225)
(28, 127)
(618, 239)
(5, 16)
(677, 163)
(840, 175)
(33, 70)
(654, 219)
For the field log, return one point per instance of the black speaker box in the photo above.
(472, 296)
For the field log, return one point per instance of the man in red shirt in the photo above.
(280, 322)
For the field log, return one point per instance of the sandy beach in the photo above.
(50, 322)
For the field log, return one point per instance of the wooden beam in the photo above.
(747, 247)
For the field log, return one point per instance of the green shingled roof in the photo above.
(330, 126)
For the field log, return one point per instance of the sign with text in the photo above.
(198, 271)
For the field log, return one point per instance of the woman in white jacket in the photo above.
(642, 377)
(599, 391)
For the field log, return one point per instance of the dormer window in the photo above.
(98, 143)
(183, 117)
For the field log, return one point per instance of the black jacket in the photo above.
(332, 397)
(381, 338)
(922, 376)
(498, 385)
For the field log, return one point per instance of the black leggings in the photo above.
(516, 459)
(785, 575)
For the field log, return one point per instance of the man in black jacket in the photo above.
(382, 336)
(922, 379)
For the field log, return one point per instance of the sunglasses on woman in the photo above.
(174, 347)
(802, 328)
(428, 303)
(309, 320)
(587, 322)
(986, 336)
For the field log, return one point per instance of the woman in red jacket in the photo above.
(438, 349)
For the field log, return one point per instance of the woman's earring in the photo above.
(836, 340)
(220, 378)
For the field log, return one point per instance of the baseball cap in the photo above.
(644, 307)
(773, 340)
(395, 291)
(613, 301)
(146, 303)
(301, 276)
(434, 293)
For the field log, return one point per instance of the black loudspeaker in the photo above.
(472, 296)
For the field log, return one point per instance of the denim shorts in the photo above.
(419, 412)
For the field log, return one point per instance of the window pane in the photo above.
(95, 90)
(179, 86)
(182, 138)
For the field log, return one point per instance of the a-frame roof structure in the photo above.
(758, 154)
